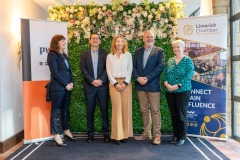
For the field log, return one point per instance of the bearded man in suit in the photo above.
(148, 64)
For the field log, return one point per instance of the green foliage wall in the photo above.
(78, 42)
(78, 106)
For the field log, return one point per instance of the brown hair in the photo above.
(54, 47)
(113, 46)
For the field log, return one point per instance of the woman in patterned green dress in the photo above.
(177, 80)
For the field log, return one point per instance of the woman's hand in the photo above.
(169, 87)
(119, 87)
(123, 85)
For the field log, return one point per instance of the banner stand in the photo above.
(36, 36)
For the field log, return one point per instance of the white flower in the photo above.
(104, 8)
(164, 35)
(144, 13)
(129, 37)
(150, 16)
(167, 5)
(120, 8)
(72, 10)
(153, 10)
(81, 9)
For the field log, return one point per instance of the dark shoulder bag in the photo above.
(48, 97)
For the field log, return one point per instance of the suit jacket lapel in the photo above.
(99, 61)
(142, 57)
(63, 60)
(89, 56)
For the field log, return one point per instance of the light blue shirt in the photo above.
(66, 63)
(146, 55)
(94, 55)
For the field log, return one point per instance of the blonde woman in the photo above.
(177, 80)
(119, 70)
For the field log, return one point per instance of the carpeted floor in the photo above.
(194, 148)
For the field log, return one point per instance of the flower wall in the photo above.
(127, 19)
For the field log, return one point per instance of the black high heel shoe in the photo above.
(59, 144)
(71, 138)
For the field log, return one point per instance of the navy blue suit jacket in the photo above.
(153, 69)
(60, 75)
(86, 66)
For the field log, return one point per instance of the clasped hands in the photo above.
(69, 87)
(97, 82)
(142, 80)
(172, 87)
(120, 87)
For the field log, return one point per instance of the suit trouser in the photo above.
(101, 96)
(150, 102)
(178, 106)
(60, 116)
(121, 111)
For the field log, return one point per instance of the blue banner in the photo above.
(207, 111)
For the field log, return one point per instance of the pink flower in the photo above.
(125, 2)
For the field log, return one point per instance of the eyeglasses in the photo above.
(95, 38)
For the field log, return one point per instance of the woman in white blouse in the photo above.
(119, 71)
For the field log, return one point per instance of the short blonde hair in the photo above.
(113, 46)
(180, 42)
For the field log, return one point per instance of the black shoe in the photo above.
(116, 142)
(106, 138)
(90, 139)
(59, 144)
(123, 141)
(71, 138)
(173, 141)
(180, 142)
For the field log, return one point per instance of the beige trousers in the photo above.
(150, 108)
(121, 111)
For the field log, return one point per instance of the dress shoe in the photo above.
(180, 142)
(90, 139)
(123, 141)
(142, 137)
(116, 142)
(157, 140)
(106, 138)
(173, 141)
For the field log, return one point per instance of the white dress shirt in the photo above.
(119, 67)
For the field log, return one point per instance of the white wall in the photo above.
(11, 104)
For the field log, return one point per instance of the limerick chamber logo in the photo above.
(188, 29)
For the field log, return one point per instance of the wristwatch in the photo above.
(179, 86)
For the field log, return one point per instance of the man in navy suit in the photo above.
(148, 64)
(96, 85)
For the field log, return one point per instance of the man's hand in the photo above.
(97, 83)
(142, 80)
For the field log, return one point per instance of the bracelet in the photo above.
(179, 86)
(115, 84)
(125, 83)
